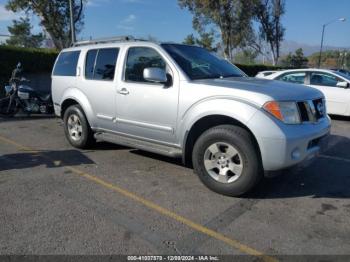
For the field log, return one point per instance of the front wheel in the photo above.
(77, 128)
(227, 160)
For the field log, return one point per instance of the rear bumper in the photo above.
(288, 145)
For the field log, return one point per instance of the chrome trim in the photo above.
(98, 130)
(105, 117)
(144, 125)
(312, 112)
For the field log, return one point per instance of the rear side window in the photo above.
(66, 64)
(100, 64)
(297, 77)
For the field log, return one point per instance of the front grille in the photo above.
(319, 107)
(303, 112)
(312, 110)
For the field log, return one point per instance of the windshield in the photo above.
(198, 63)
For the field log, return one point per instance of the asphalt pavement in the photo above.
(55, 199)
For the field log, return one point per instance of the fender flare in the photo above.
(78, 96)
(239, 110)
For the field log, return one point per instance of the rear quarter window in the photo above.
(66, 64)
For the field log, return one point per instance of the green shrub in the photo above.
(32, 60)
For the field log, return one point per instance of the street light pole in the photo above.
(323, 29)
(72, 27)
(319, 57)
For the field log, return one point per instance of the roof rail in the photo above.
(104, 40)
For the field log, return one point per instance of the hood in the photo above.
(260, 91)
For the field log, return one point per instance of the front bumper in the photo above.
(287, 145)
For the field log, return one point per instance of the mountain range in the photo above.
(290, 46)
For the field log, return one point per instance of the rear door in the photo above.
(98, 84)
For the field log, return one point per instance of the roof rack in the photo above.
(104, 40)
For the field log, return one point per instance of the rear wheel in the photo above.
(227, 161)
(77, 128)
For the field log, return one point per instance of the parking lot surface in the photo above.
(114, 200)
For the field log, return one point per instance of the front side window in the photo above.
(297, 78)
(100, 64)
(323, 79)
(199, 63)
(140, 58)
(66, 64)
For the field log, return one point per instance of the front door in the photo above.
(144, 109)
(337, 98)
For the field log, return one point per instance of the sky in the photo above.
(166, 21)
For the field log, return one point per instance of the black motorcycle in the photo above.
(19, 96)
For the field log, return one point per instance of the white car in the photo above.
(334, 84)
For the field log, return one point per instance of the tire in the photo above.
(227, 161)
(75, 122)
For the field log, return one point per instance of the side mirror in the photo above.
(154, 74)
(343, 84)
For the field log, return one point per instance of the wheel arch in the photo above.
(74, 96)
(205, 123)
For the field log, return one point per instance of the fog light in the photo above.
(296, 154)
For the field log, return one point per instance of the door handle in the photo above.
(123, 91)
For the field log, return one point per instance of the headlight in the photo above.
(287, 112)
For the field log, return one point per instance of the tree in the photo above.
(206, 40)
(246, 56)
(21, 35)
(268, 13)
(54, 16)
(190, 40)
(232, 17)
(297, 60)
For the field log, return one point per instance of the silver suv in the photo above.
(182, 101)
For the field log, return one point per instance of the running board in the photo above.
(139, 144)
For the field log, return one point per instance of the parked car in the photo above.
(263, 74)
(334, 85)
(182, 101)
